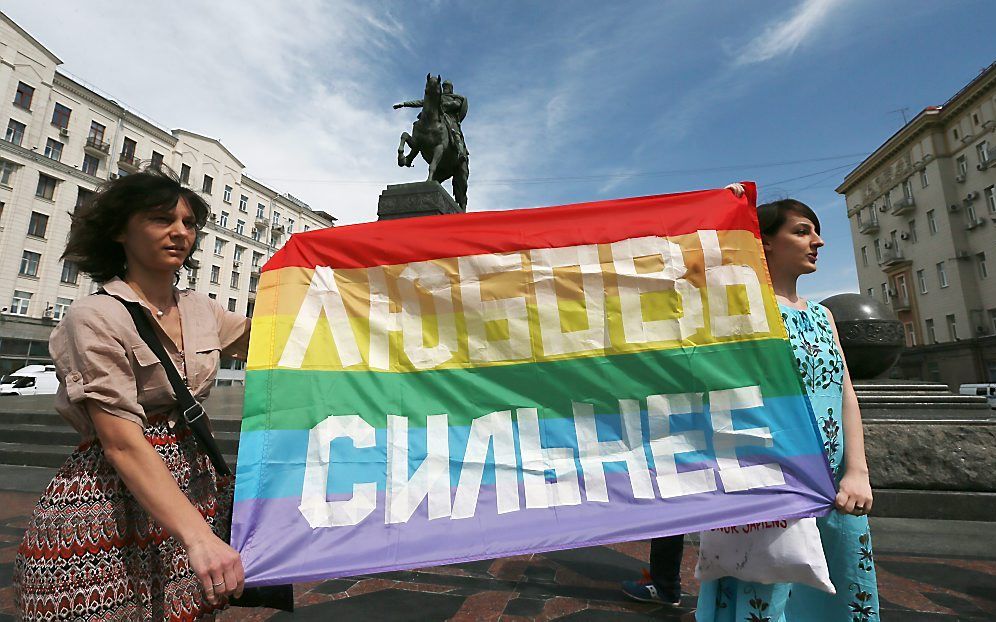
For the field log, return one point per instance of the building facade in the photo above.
(922, 210)
(62, 140)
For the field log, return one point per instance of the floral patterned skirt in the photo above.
(91, 552)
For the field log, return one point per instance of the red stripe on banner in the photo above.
(457, 235)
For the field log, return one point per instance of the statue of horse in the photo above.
(431, 137)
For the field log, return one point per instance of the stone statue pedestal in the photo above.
(422, 198)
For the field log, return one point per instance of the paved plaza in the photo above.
(928, 570)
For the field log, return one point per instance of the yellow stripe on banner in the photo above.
(528, 306)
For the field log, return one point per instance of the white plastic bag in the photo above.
(783, 551)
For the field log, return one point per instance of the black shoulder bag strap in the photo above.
(272, 596)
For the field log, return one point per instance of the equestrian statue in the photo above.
(437, 135)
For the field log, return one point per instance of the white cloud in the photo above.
(784, 36)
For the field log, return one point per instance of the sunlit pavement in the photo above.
(928, 570)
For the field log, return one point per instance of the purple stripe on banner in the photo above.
(373, 546)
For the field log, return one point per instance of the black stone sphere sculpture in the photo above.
(870, 334)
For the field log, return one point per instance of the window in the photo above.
(90, 164)
(6, 171)
(962, 165)
(208, 183)
(907, 189)
(219, 247)
(231, 304)
(864, 256)
(184, 173)
(234, 283)
(931, 334)
(982, 151)
(96, 136)
(952, 327)
(878, 250)
(931, 222)
(53, 149)
(215, 274)
(256, 259)
(239, 251)
(895, 241)
(975, 118)
(274, 239)
(885, 293)
(970, 214)
(954, 133)
(82, 196)
(260, 210)
(290, 225)
(857, 217)
(888, 200)
(306, 227)
(276, 218)
(910, 335)
(901, 290)
(15, 132)
(923, 178)
(921, 280)
(871, 292)
(22, 98)
(29, 263)
(992, 319)
(223, 221)
(227, 195)
(942, 275)
(157, 160)
(243, 203)
(60, 116)
(240, 227)
(70, 273)
(256, 235)
(128, 150)
(913, 231)
(61, 306)
(38, 224)
(213, 296)
(253, 284)
(980, 259)
(990, 194)
(46, 187)
(19, 303)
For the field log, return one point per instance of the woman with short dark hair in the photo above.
(790, 236)
(135, 523)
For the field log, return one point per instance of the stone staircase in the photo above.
(912, 401)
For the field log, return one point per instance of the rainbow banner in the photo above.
(463, 387)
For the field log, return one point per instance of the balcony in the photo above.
(97, 147)
(254, 271)
(903, 205)
(277, 228)
(129, 161)
(868, 227)
(893, 257)
(901, 303)
(261, 223)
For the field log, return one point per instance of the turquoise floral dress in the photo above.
(846, 538)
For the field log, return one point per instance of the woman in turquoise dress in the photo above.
(790, 234)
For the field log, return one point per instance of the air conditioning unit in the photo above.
(192, 280)
(962, 255)
(893, 293)
(236, 264)
(960, 178)
(212, 217)
(981, 166)
(888, 245)
(971, 196)
(882, 207)
(63, 131)
(904, 236)
(953, 207)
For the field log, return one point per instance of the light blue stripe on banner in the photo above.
(286, 450)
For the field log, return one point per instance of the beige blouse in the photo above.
(100, 356)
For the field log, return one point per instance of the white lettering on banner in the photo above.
(555, 340)
(493, 429)
(323, 295)
(533, 287)
(537, 460)
(670, 278)
(495, 433)
(718, 279)
(477, 311)
(317, 510)
(431, 479)
(664, 445)
(726, 439)
(595, 453)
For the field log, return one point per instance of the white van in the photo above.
(30, 380)
(986, 389)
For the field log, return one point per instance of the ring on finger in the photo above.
(222, 582)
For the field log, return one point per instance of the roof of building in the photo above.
(55, 59)
(927, 116)
(179, 131)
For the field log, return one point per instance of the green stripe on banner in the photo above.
(301, 399)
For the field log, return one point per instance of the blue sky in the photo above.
(569, 101)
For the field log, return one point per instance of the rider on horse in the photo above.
(454, 112)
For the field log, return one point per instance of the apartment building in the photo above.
(922, 209)
(62, 140)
